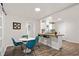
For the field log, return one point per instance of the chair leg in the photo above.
(38, 46)
(33, 51)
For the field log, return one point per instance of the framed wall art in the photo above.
(16, 25)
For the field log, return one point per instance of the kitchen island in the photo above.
(52, 40)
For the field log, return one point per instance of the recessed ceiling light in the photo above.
(37, 9)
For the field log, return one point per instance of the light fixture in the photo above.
(37, 9)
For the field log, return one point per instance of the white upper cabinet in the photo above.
(47, 25)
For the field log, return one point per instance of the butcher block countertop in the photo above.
(48, 34)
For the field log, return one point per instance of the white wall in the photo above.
(0, 30)
(69, 25)
(9, 32)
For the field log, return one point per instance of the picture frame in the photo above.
(16, 25)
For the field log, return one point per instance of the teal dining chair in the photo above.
(16, 44)
(24, 36)
(31, 44)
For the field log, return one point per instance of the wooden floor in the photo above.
(68, 49)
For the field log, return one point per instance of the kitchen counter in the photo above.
(52, 40)
(48, 34)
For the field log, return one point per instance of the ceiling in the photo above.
(27, 9)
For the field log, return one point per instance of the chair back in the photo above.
(14, 42)
(25, 36)
(30, 44)
(37, 39)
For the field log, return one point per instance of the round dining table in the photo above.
(25, 40)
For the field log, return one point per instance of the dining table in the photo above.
(25, 40)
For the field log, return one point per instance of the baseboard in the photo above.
(72, 41)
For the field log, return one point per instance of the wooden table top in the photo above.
(48, 34)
